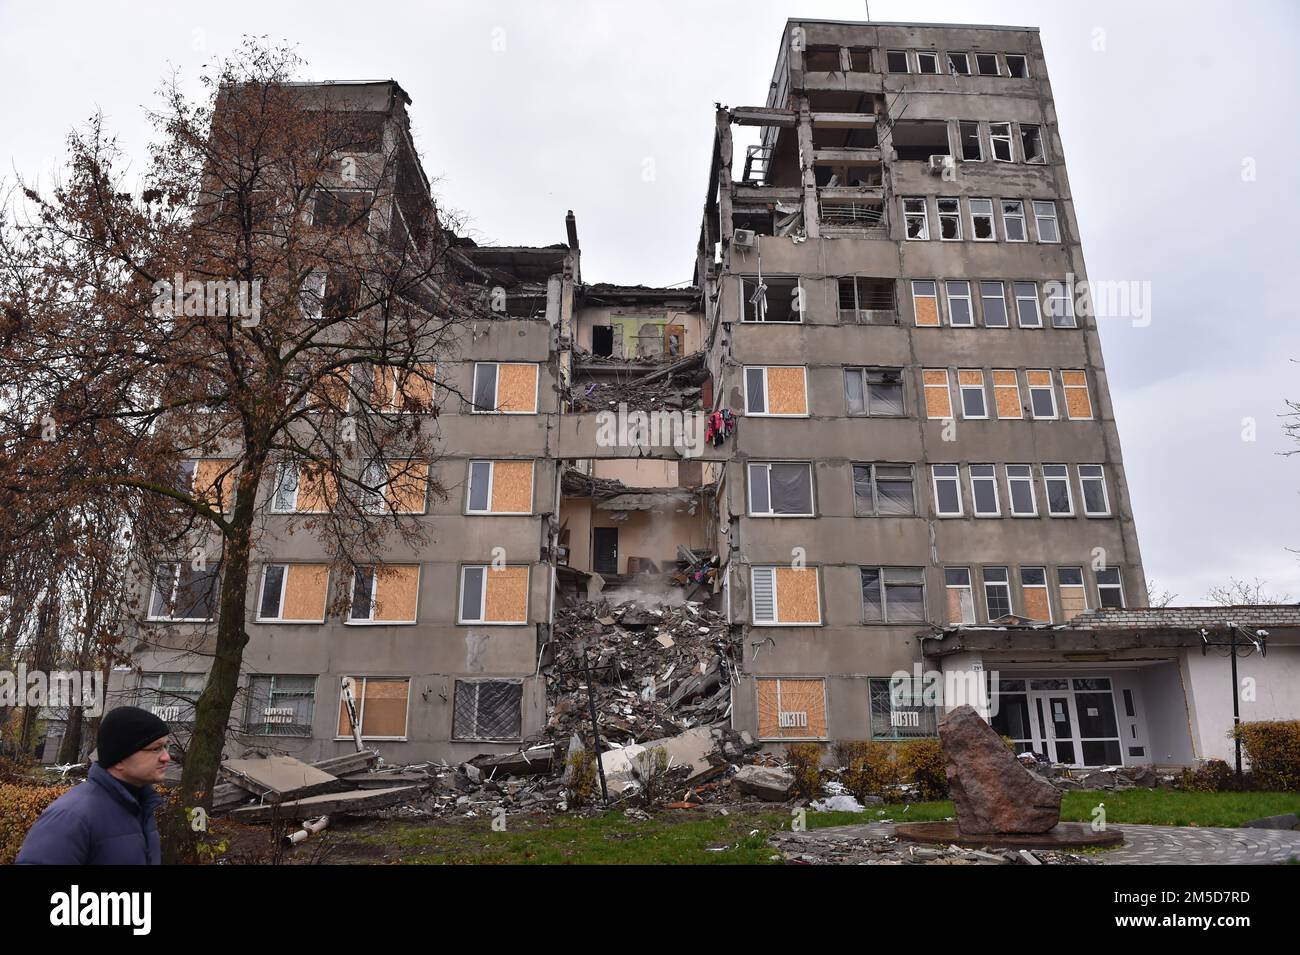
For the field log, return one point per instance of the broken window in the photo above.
(893, 594)
(342, 296)
(284, 500)
(1070, 589)
(1020, 490)
(919, 139)
(867, 301)
(293, 593)
(1000, 139)
(984, 490)
(780, 490)
(791, 709)
(969, 133)
(340, 209)
(860, 59)
(1006, 393)
(960, 313)
(848, 214)
(947, 490)
(170, 696)
(970, 382)
(986, 64)
(958, 64)
(925, 302)
(883, 490)
(1056, 478)
(182, 592)
(927, 61)
(280, 705)
(1110, 589)
(1031, 143)
(500, 487)
(384, 593)
(488, 709)
(1042, 396)
(938, 395)
(381, 705)
(1027, 305)
(1093, 483)
(997, 592)
(490, 594)
(1033, 594)
(981, 220)
(949, 219)
(776, 390)
(874, 391)
(1078, 404)
(1045, 221)
(916, 216)
(961, 598)
(821, 59)
(1017, 66)
(505, 388)
(993, 303)
(783, 595)
(602, 341)
(896, 61)
(1060, 305)
(772, 300)
(899, 710)
(1013, 220)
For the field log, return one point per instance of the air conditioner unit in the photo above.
(940, 163)
(744, 238)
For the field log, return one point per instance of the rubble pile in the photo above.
(875, 845)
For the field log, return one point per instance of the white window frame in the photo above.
(1001, 296)
(797, 309)
(864, 372)
(992, 219)
(934, 56)
(360, 701)
(482, 598)
(1097, 475)
(875, 488)
(767, 402)
(1027, 478)
(1018, 297)
(1023, 58)
(1103, 588)
(496, 388)
(1063, 478)
(947, 387)
(1050, 388)
(281, 475)
(1006, 582)
(938, 312)
(968, 587)
(1040, 218)
(961, 297)
(1042, 144)
(491, 480)
(953, 216)
(1066, 317)
(1016, 214)
(952, 69)
(1047, 591)
(997, 64)
(766, 466)
(961, 395)
(284, 587)
(910, 215)
(961, 140)
(955, 478)
(882, 573)
(174, 593)
(991, 477)
(1005, 137)
(1081, 586)
(907, 62)
(776, 599)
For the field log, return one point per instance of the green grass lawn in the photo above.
(694, 838)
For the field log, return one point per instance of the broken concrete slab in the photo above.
(766, 782)
(535, 761)
(328, 804)
(278, 777)
(692, 748)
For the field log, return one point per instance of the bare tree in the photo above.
(1245, 592)
(1157, 597)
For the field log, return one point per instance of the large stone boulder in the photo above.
(765, 782)
(992, 791)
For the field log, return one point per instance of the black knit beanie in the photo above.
(126, 730)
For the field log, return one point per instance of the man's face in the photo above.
(145, 766)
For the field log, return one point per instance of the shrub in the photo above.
(1212, 776)
(805, 764)
(19, 807)
(582, 777)
(920, 761)
(1273, 748)
(652, 771)
(868, 768)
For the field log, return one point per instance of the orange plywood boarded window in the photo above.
(961, 605)
(926, 306)
(507, 595)
(382, 706)
(1078, 404)
(512, 487)
(396, 589)
(796, 595)
(787, 391)
(331, 391)
(938, 396)
(317, 491)
(1037, 604)
(1006, 394)
(214, 482)
(305, 590)
(791, 709)
(1039, 379)
(1072, 602)
(517, 388)
(404, 389)
(408, 486)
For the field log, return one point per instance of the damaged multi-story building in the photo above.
(876, 431)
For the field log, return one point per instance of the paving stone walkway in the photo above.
(1143, 845)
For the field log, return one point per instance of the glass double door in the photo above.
(1075, 724)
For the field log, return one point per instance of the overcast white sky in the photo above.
(523, 110)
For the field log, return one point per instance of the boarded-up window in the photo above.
(293, 593)
(938, 395)
(787, 392)
(404, 390)
(791, 709)
(330, 391)
(381, 707)
(407, 489)
(785, 596)
(925, 302)
(214, 483)
(1033, 594)
(505, 388)
(961, 598)
(1078, 405)
(1006, 394)
(487, 709)
(1070, 590)
(493, 594)
(310, 490)
(500, 487)
(385, 593)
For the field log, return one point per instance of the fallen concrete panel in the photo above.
(327, 804)
(278, 776)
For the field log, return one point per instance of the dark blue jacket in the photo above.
(98, 822)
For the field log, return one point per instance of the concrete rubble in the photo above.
(874, 845)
